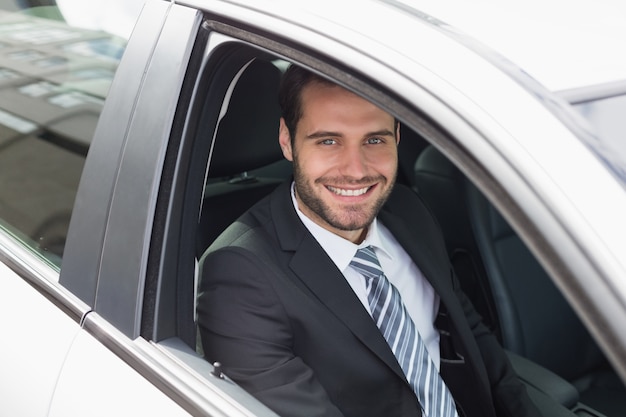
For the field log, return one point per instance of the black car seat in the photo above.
(246, 141)
(439, 182)
(534, 319)
(537, 322)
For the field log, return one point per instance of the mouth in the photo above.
(344, 192)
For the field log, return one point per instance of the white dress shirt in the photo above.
(417, 294)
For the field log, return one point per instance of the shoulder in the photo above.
(254, 234)
(250, 231)
(407, 204)
(409, 217)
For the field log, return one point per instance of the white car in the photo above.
(121, 159)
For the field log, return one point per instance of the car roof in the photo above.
(563, 44)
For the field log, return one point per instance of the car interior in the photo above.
(549, 347)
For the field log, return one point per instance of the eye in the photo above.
(327, 142)
(374, 140)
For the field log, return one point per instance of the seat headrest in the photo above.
(247, 135)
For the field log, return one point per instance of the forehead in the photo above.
(329, 103)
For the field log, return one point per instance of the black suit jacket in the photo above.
(285, 324)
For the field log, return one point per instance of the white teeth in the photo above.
(349, 193)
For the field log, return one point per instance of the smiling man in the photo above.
(334, 295)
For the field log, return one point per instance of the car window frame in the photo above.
(459, 140)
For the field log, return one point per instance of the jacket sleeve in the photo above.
(244, 326)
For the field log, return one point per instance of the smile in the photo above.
(348, 193)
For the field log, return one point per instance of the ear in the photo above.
(284, 139)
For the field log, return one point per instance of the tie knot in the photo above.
(366, 263)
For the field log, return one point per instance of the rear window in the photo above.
(54, 78)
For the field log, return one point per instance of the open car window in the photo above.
(241, 163)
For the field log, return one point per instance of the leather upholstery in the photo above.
(247, 139)
(535, 321)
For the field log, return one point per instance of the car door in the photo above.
(40, 321)
(110, 253)
(445, 102)
(60, 356)
(55, 78)
(115, 386)
(46, 121)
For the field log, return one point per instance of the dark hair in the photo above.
(292, 83)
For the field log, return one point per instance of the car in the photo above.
(123, 155)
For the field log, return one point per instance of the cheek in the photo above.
(384, 162)
(313, 164)
(392, 162)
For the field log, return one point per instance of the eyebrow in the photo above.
(325, 134)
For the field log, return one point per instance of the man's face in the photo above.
(344, 157)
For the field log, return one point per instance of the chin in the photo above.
(351, 224)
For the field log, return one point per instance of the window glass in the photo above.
(54, 78)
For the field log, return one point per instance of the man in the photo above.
(292, 294)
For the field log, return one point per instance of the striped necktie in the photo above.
(398, 329)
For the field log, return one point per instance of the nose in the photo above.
(353, 162)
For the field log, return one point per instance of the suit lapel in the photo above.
(312, 266)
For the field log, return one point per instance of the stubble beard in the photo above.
(352, 217)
